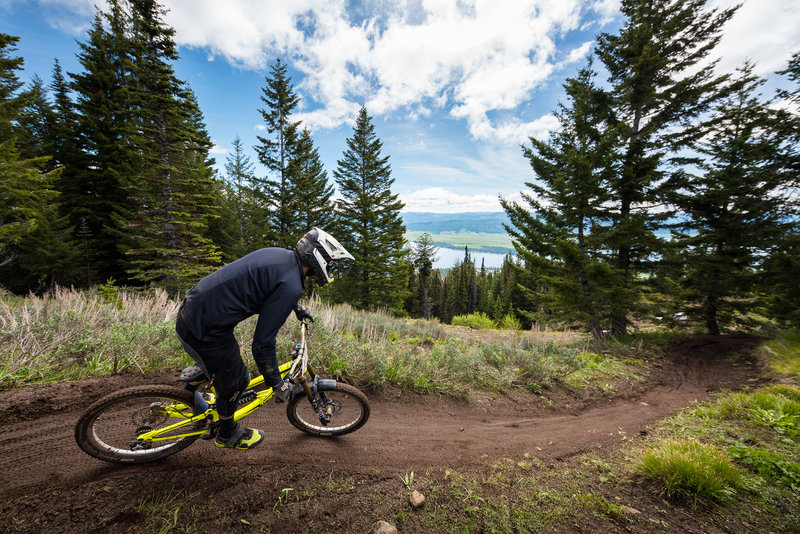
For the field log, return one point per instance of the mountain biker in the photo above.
(267, 282)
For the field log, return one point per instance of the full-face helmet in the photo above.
(319, 250)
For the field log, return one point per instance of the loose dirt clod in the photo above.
(382, 527)
(416, 499)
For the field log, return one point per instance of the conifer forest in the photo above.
(667, 193)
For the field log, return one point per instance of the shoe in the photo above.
(242, 439)
(284, 392)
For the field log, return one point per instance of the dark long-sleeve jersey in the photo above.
(267, 282)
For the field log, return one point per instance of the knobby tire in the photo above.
(107, 428)
(350, 410)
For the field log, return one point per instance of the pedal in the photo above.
(212, 432)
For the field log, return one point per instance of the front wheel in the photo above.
(109, 428)
(345, 406)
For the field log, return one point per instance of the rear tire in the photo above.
(107, 430)
(349, 409)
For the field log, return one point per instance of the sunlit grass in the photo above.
(755, 431)
(775, 406)
(783, 353)
(691, 471)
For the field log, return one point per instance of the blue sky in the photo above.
(454, 86)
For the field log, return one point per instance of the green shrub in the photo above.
(478, 321)
(510, 322)
(110, 293)
(692, 471)
(773, 468)
(775, 404)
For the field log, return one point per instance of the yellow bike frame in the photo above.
(296, 369)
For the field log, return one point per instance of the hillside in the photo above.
(437, 223)
(480, 231)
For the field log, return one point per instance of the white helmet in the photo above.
(319, 250)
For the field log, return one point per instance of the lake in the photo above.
(447, 257)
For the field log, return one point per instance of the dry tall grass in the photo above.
(74, 334)
(71, 334)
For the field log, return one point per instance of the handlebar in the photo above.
(303, 314)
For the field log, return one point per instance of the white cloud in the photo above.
(72, 17)
(513, 131)
(438, 200)
(470, 58)
(219, 150)
(764, 31)
(577, 54)
(606, 9)
(473, 59)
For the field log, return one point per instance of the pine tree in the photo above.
(561, 235)
(63, 137)
(507, 296)
(62, 131)
(411, 302)
(29, 223)
(276, 152)
(49, 255)
(372, 229)
(423, 255)
(792, 72)
(312, 192)
(435, 290)
(85, 262)
(247, 228)
(737, 206)
(34, 241)
(106, 135)
(778, 281)
(12, 102)
(659, 84)
(169, 229)
(471, 283)
(781, 269)
(482, 288)
(36, 122)
(460, 289)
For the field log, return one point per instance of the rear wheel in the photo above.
(109, 428)
(347, 407)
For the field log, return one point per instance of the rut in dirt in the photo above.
(405, 432)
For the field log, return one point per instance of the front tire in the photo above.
(108, 429)
(347, 406)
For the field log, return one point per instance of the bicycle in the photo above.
(145, 423)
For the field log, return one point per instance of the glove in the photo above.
(301, 312)
(284, 392)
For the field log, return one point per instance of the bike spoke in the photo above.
(120, 429)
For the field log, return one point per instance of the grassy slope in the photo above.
(744, 477)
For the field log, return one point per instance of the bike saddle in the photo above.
(192, 374)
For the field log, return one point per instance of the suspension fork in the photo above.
(304, 382)
(313, 399)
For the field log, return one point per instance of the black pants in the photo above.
(221, 360)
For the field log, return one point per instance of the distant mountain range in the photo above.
(438, 223)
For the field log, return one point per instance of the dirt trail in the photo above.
(40, 460)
